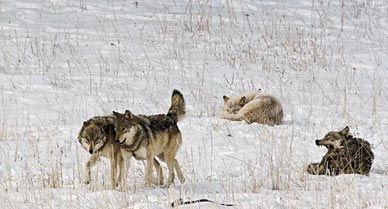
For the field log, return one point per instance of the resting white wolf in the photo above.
(253, 107)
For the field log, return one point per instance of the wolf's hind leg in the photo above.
(159, 172)
(179, 171)
(88, 166)
(150, 166)
(170, 161)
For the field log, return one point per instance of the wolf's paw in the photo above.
(315, 169)
(181, 179)
(148, 184)
(165, 186)
(87, 181)
(168, 184)
(160, 182)
(157, 181)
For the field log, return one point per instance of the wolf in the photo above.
(345, 155)
(253, 107)
(144, 137)
(97, 136)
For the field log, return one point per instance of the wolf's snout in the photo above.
(317, 142)
(125, 139)
(91, 151)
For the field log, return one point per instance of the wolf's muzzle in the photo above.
(91, 151)
(123, 141)
(317, 142)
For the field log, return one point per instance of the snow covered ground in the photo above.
(62, 62)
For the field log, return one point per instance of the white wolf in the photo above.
(253, 107)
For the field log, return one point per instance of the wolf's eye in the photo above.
(123, 129)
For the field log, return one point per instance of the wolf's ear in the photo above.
(116, 114)
(225, 98)
(345, 131)
(242, 101)
(128, 114)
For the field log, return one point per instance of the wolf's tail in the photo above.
(177, 109)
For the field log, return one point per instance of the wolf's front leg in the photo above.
(119, 168)
(125, 165)
(113, 171)
(150, 165)
(316, 169)
(229, 116)
(88, 166)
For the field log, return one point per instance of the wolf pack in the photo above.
(157, 138)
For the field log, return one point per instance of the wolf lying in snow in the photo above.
(253, 107)
(345, 155)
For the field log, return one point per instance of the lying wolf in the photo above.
(157, 135)
(97, 136)
(253, 107)
(346, 155)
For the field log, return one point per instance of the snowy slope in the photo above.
(62, 62)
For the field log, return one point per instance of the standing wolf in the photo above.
(157, 135)
(97, 136)
(346, 155)
(253, 107)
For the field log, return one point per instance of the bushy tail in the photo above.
(177, 109)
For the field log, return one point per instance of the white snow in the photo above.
(63, 62)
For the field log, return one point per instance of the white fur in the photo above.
(141, 153)
(337, 144)
(85, 144)
(256, 107)
(128, 136)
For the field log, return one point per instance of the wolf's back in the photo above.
(177, 109)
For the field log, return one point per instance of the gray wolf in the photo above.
(157, 135)
(97, 136)
(253, 107)
(345, 155)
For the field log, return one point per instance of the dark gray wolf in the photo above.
(345, 155)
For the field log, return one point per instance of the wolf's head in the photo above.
(233, 106)
(126, 127)
(91, 137)
(334, 139)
